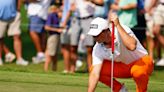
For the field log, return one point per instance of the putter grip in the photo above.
(113, 37)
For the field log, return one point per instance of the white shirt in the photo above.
(83, 8)
(39, 8)
(33, 9)
(121, 53)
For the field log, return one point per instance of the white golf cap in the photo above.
(97, 26)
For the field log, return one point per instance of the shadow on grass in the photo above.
(159, 68)
(82, 71)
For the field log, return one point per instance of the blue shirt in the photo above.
(53, 21)
(7, 9)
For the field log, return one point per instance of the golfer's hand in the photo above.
(114, 19)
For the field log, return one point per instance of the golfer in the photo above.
(131, 60)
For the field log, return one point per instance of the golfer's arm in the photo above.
(94, 78)
(129, 41)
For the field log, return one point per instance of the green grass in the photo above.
(32, 78)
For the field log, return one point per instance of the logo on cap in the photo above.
(94, 26)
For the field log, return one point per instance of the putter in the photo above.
(112, 65)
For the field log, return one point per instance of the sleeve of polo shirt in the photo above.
(97, 56)
(128, 30)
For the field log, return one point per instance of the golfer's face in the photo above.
(104, 36)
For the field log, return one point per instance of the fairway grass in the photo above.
(44, 82)
(32, 78)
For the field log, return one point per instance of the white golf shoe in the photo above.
(9, 57)
(22, 62)
(160, 62)
(38, 59)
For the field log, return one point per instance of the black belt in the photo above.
(86, 17)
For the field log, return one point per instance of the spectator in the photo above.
(158, 22)
(65, 45)
(52, 26)
(83, 11)
(10, 20)
(37, 11)
(150, 36)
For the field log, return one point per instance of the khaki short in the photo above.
(159, 15)
(12, 27)
(53, 44)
